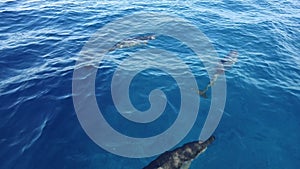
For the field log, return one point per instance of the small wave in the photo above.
(35, 135)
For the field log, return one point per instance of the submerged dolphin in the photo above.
(225, 63)
(132, 42)
(180, 158)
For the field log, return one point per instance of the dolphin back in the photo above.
(180, 156)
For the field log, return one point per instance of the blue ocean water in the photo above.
(39, 45)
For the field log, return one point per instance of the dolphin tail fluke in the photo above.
(202, 93)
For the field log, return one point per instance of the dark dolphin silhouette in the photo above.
(126, 43)
(224, 64)
(181, 157)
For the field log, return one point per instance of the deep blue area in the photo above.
(39, 45)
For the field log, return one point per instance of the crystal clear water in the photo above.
(39, 45)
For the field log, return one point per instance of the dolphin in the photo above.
(180, 158)
(224, 64)
(132, 42)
